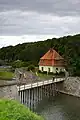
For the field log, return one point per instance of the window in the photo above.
(42, 69)
(61, 70)
(56, 68)
(48, 69)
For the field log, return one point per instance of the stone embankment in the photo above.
(8, 89)
(70, 86)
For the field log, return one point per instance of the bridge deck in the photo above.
(37, 84)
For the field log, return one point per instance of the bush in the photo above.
(25, 64)
(31, 67)
(39, 71)
(50, 73)
(62, 73)
(2, 62)
(12, 69)
(59, 73)
(17, 64)
(12, 110)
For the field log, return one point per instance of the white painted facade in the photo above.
(51, 69)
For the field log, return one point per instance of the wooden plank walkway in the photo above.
(38, 84)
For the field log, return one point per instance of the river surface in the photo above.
(60, 107)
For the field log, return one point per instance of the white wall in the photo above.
(52, 68)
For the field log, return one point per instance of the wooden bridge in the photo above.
(31, 94)
(38, 84)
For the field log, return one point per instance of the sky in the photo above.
(36, 20)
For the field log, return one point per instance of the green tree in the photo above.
(67, 46)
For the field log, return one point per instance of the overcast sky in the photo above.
(34, 20)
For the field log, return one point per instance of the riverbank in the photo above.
(70, 86)
(13, 110)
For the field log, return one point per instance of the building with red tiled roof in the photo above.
(51, 62)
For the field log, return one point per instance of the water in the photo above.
(61, 107)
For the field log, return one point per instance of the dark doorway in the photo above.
(48, 69)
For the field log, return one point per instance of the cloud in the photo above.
(59, 7)
(32, 23)
(14, 40)
(38, 18)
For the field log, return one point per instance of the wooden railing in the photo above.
(37, 84)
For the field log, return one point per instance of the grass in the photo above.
(6, 75)
(5, 69)
(44, 76)
(12, 110)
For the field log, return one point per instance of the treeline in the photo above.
(30, 53)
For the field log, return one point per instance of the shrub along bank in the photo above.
(12, 110)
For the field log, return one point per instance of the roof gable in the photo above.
(52, 54)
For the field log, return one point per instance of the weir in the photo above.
(32, 94)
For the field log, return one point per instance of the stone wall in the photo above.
(70, 86)
(9, 91)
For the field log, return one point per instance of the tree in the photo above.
(17, 64)
(68, 47)
(31, 67)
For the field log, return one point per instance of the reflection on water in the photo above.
(61, 107)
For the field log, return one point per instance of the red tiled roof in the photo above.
(50, 58)
(52, 54)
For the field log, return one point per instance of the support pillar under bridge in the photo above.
(32, 94)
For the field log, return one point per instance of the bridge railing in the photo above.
(38, 84)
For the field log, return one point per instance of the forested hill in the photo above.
(68, 47)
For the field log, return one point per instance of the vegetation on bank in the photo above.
(12, 110)
(4, 75)
(30, 53)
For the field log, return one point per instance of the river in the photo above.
(60, 107)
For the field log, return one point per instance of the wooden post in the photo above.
(50, 91)
(41, 93)
(33, 98)
(43, 89)
(38, 94)
(25, 96)
(19, 91)
(28, 97)
(22, 97)
(46, 92)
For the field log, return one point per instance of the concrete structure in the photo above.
(70, 86)
(51, 62)
(9, 91)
